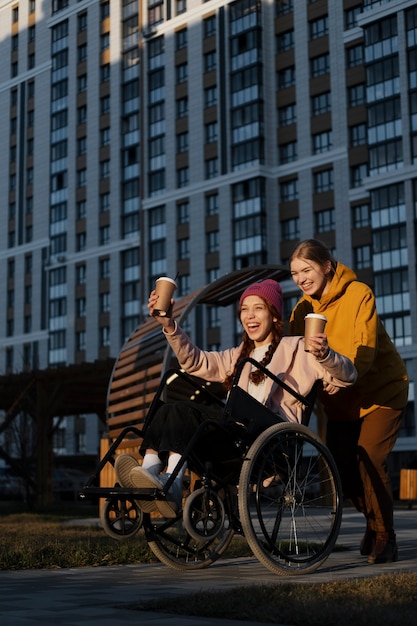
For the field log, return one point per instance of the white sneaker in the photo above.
(143, 479)
(123, 465)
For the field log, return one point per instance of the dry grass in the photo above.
(38, 541)
(388, 600)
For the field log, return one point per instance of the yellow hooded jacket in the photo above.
(354, 329)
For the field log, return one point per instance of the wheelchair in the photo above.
(273, 482)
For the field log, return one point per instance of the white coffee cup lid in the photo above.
(170, 280)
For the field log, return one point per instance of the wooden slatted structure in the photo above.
(146, 355)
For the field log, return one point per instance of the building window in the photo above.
(351, 17)
(82, 53)
(104, 302)
(209, 26)
(183, 213)
(181, 73)
(322, 142)
(81, 241)
(182, 142)
(104, 235)
(210, 61)
(321, 103)
(324, 221)
(212, 242)
(104, 202)
(210, 96)
(105, 105)
(320, 65)
(81, 307)
(212, 204)
(182, 107)
(358, 173)
(289, 190)
(182, 177)
(81, 178)
(386, 157)
(105, 41)
(81, 209)
(211, 132)
(354, 56)
(104, 336)
(181, 6)
(286, 77)
(105, 169)
(287, 115)
(183, 248)
(212, 168)
(288, 152)
(323, 181)
(358, 135)
(285, 41)
(104, 268)
(81, 147)
(82, 114)
(290, 228)
(181, 39)
(319, 27)
(356, 95)
(362, 257)
(361, 216)
(82, 21)
(80, 274)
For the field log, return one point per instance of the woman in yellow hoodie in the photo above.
(362, 421)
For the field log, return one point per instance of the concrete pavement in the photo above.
(76, 597)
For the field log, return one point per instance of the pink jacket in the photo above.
(297, 368)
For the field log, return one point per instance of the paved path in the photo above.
(99, 596)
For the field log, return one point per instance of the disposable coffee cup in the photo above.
(313, 324)
(165, 288)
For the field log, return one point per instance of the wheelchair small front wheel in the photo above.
(203, 514)
(121, 518)
(174, 545)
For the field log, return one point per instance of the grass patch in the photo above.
(388, 599)
(39, 541)
(42, 540)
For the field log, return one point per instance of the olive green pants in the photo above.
(360, 449)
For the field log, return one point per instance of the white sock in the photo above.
(173, 460)
(152, 463)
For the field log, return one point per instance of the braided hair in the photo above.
(257, 376)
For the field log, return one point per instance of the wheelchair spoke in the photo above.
(292, 520)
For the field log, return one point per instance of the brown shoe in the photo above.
(385, 549)
(368, 541)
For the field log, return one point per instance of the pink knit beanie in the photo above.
(267, 289)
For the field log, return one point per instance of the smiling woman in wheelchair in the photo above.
(173, 425)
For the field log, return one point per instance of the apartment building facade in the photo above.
(197, 137)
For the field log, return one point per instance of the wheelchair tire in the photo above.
(174, 546)
(121, 518)
(290, 499)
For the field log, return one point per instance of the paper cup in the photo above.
(313, 324)
(165, 288)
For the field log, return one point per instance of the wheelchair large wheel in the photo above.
(172, 544)
(121, 518)
(290, 499)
